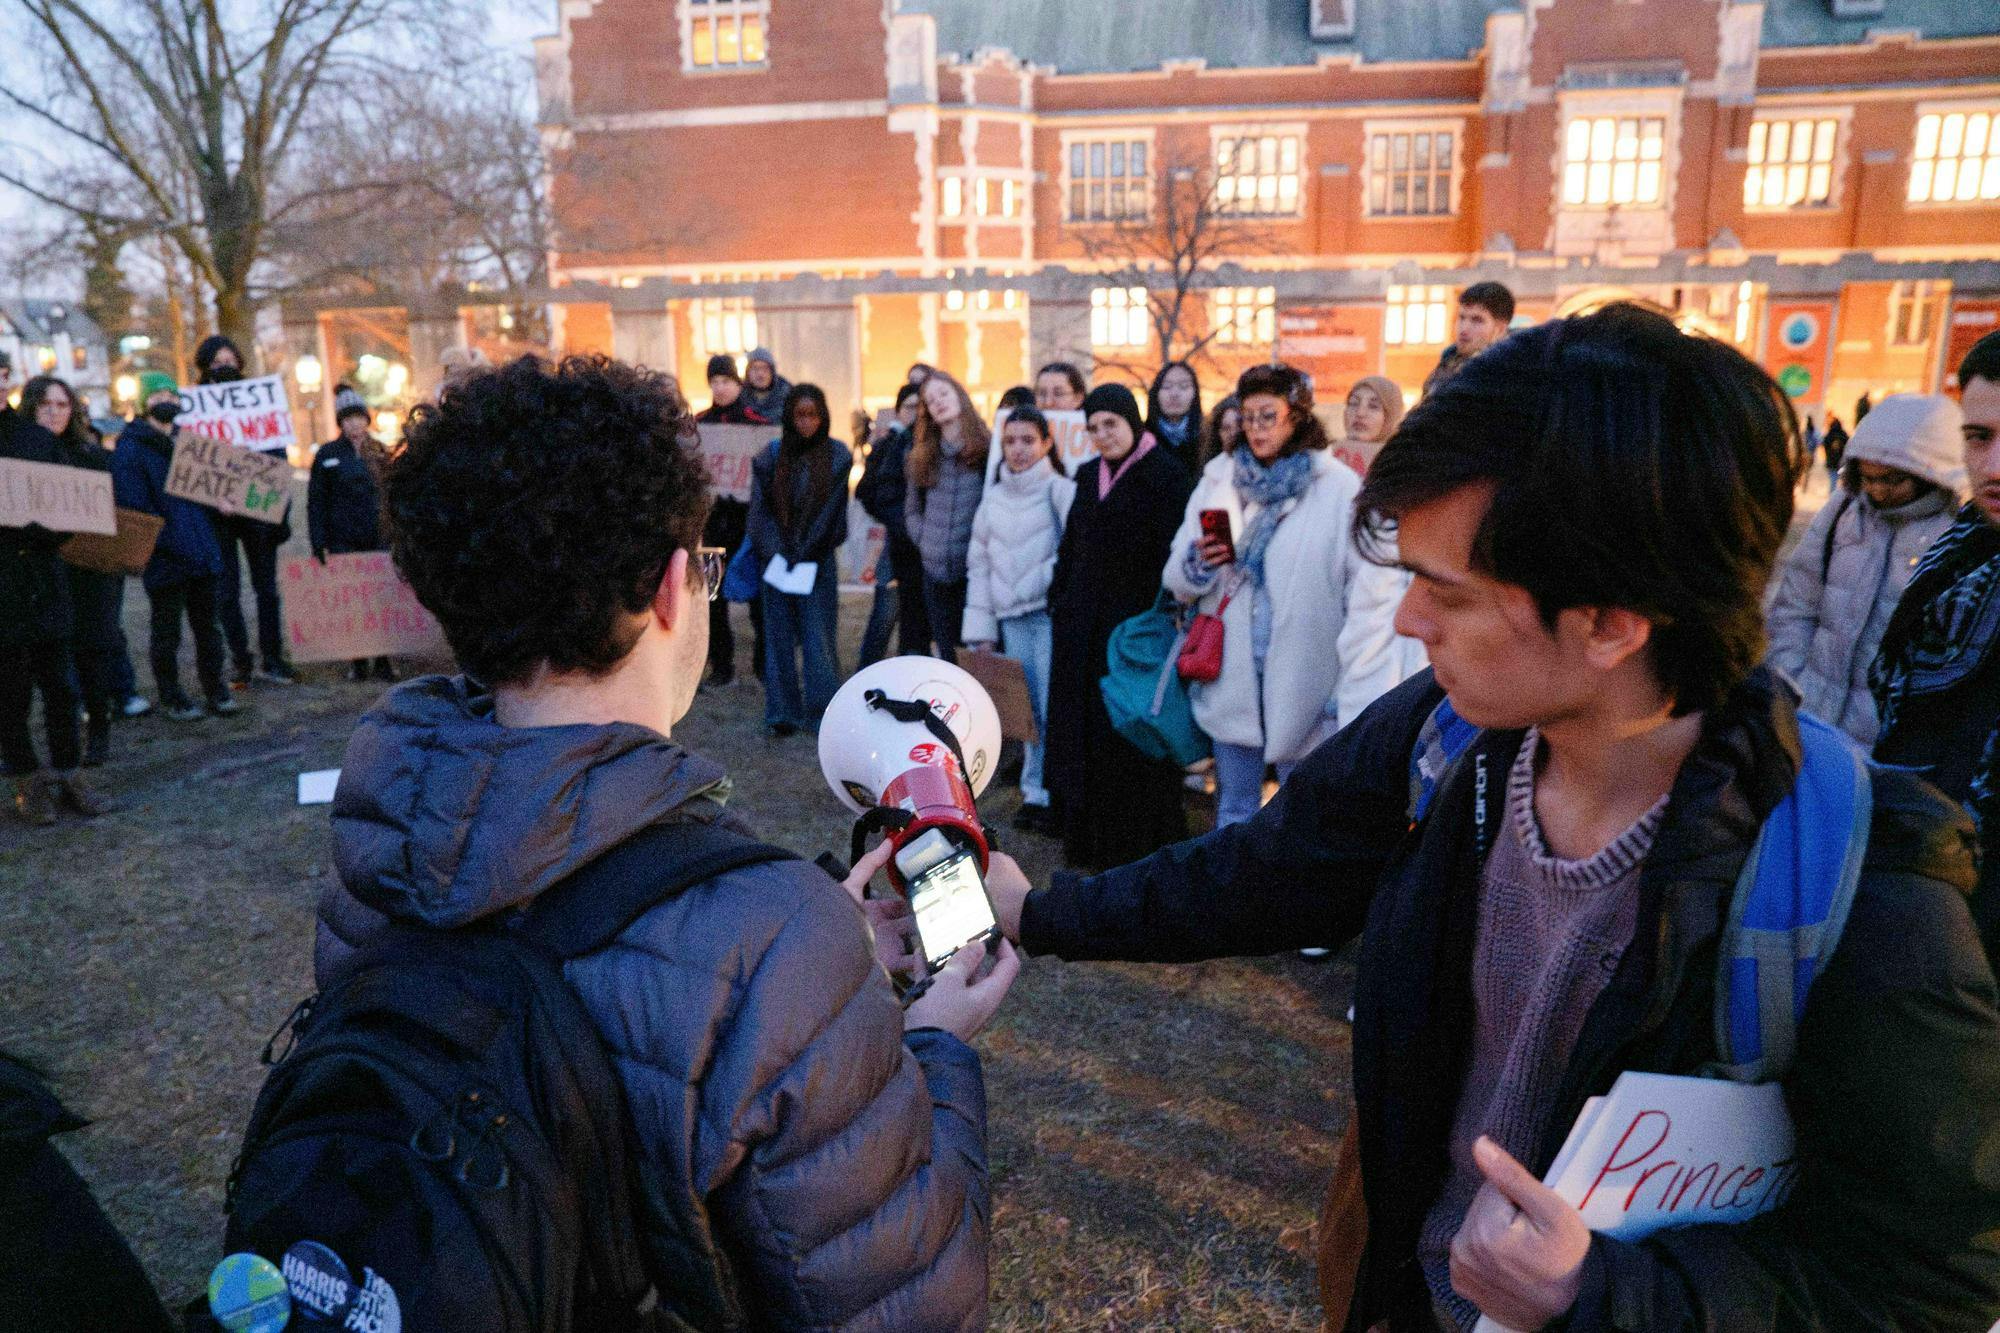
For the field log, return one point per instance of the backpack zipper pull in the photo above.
(301, 1014)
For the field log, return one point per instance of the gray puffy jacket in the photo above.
(806, 1165)
(940, 517)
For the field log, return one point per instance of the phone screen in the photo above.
(950, 906)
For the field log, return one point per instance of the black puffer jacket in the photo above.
(807, 1165)
(34, 594)
(1895, 1088)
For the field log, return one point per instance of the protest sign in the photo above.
(1659, 1151)
(729, 451)
(1006, 681)
(355, 606)
(861, 553)
(230, 480)
(59, 498)
(125, 553)
(1071, 441)
(253, 414)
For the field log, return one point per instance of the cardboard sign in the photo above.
(253, 414)
(355, 606)
(1007, 683)
(729, 451)
(230, 480)
(1070, 439)
(125, 553)
(59, 498)
(862, 551)
(1659, 1151)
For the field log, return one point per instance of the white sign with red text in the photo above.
(250, 413)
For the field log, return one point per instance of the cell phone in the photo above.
(948, 901)
(1215, 525)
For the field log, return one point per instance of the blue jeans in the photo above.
(796, 626)
(1029, 640)
(1239, 782)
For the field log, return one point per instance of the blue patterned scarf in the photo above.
(1269, 487)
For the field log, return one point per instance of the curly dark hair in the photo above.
(535, 507)
(1291, 385)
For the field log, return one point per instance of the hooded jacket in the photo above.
(806, 1164)
(1840, 584)
(767, 403)
(1894, 1090)
(1012, 556)
(187, 548)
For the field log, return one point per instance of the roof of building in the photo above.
(1105, 36)
(39, 320)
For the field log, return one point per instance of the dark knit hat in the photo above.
(1116, 398)
(724, 365)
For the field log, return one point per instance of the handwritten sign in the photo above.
(355, 606)
(251, 413)
(1006, 681)
(1070, 439)
(230, 480)
(59, 498)
(729, 451)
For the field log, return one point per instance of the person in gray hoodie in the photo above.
(764, 389)
(813, 1155)
(1900, 484)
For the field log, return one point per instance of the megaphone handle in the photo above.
(879, 819)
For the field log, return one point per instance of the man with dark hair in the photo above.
(1542, 912)
(1936, 677)
(1484, 311)
(814, 1157)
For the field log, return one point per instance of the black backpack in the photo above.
(444, 1144)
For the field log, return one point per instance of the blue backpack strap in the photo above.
(1442, 739)
(1790, 905)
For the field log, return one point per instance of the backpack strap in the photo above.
(592, 907)
(1790, 906)
(1832, 529)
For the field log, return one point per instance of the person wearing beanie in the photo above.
(180, 579)
(764, 389)
(1900, 484)
(1111, 803)
(344, 500)
(727, 524)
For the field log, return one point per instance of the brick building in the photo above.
(865, 183)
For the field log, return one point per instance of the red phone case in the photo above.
(1215, 524)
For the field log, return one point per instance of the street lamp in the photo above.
(127, 388)
(395, 379)
(310, 375)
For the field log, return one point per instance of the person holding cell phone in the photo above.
(1264, 546)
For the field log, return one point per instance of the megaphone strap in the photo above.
(916, 710)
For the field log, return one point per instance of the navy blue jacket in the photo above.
(343, 500)
(814, 536)
(187, 549)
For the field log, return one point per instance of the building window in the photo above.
(1257, 175)
(1118, 317)
(1009, 198)
(1791, 162)
(1416, 316)
(1246, 316)
(1913, 312)
(724, 34)
(79, 357)
(1410, 172)
(1957, 158)
(981, 197)
(1108, 180)
(954, 197)
(45, 357)
(1611, 160)
(725, 325)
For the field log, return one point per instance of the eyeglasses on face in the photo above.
(1265, 419)
(714, 564)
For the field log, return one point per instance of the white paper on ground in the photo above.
(794, 579)
(317, 788)
(1661, 1151)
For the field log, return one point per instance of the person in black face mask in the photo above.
(219, 361)
(181, 577)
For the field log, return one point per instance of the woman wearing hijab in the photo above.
(1374, 410)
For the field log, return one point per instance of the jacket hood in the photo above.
(1917, 432)
(763, 354)
(443, 816)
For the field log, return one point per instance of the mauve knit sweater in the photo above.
(1550, 934)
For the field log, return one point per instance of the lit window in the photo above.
(1791, 163)
(1008, 201)
(1108, 180)
(1257, 174)
(1416, 316)
(1118, 317)
(1957, 158)
(954, 197)
(725, 324)
(1246, 316)
(725, 34)
(79, 357)
(954, 299)
(980, 201)
(1409, 173)
(1614, 160)
(1913, 312)
(46, 358)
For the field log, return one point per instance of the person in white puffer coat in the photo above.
(1009, 563)
(1901, 482)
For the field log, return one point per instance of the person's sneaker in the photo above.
(224, 706)
(138, 706)
(33, 800)
(183, 710)
(357, 672)
(277, 673)
(385, 671)
(75, 793)
(1314, 954)
(97, 750)
(239, 679)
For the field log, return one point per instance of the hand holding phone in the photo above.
(959, 999)
(1216, 546)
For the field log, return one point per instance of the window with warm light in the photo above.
(1416, 316)
(1410, 172)
(45, 357)
(1257, 175)
(953, 191)
(1956, 159)
(1118, 317)
(1107, 180)
(1790, 162)
(724, 34)
(1246, 316)
(724, 324)
(1614, 160)
(79, 357)
(981, 197)
(1913, 312)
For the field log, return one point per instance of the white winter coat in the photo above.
(1331, 651)
(1013, 552)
